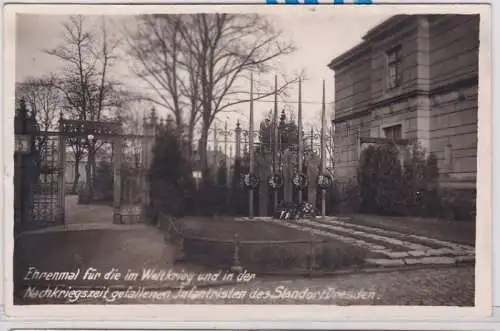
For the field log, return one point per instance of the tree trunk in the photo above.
(77, 176)
(190, 140)
(202, 149)
(90, 169)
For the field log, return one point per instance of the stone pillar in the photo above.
(117, 179)
(423, 82)
(448, 159)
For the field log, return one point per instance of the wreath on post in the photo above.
(324, 181)
(300, 181)
(275, 181)
(251, 181)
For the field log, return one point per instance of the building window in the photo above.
(394, 132)
(394, 68)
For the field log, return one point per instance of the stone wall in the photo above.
(454, 46)
(352, 86)
(454, 66)
(454, 132)
(347, 148)
(436, 101)
(406, 39)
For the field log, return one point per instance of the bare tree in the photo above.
(226, 48)
(330, 147)
(160, 59)
(44, 103)
(201, 62)
(88, 52)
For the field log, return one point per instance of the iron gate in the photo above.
(47, 208)
(38, 176)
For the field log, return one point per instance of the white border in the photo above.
(288, 313)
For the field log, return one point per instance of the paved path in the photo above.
(91, 240)
(87, 214)
(387, 247)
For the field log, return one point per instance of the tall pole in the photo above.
(226, 158)
(322, 168)
(300, 151)
(237, 132)
(250, 143)
(62, 163)
(276, 138)
(312, 140)
(228, 167)
(216, 166)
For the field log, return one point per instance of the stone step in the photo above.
(415, 253)
(345, 223)
(438, 260)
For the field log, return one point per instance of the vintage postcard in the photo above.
(268, 162)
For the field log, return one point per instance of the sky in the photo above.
(319, 37)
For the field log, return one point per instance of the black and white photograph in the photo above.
(266, 156)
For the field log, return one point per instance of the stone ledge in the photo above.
(386, 262)
(442, 260)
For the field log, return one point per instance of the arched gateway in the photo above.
(39, 176)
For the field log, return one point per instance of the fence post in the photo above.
(236, 255)
(180, 248)
(179, 243)
(312, 253)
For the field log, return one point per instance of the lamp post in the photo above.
(226, 133)
(197, 175)
(322, 152)
(22, 144)
(89, 189)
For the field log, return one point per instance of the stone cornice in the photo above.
(350, 116)
(384, 28)
(387, 26)
(349, 55)
(445, 88)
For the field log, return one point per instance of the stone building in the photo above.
(413, 77)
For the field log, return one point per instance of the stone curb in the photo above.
(428, 261)
(85, 227)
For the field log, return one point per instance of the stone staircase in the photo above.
(386, 247)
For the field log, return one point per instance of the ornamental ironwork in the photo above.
(324, 181)
(300, 181)
(251, 181)
(275, 181)
(77, 128)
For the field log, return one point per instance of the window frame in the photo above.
(390, 128)
(393, 60)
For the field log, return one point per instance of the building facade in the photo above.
(413, 77)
